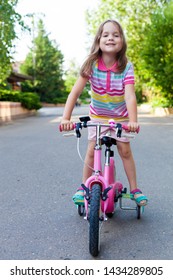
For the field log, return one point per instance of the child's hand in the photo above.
(133, 126)
(66, 125)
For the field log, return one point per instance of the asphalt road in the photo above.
(39, 173)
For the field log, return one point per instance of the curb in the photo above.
(10, 111)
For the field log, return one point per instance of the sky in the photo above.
(64, 20)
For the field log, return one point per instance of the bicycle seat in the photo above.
(108, 141)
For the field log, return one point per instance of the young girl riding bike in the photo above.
(113, 96)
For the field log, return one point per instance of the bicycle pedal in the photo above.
(127, 195)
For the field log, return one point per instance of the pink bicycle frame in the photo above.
(104, 180)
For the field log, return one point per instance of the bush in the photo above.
(160, 101)
(9, 95)
(30, 101)
(60, 100)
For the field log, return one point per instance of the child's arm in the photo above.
(130, 99)
(76, 91)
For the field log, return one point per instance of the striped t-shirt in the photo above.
(107, 91)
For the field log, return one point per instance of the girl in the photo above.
(112, 97)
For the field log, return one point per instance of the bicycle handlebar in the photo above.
(111, 125)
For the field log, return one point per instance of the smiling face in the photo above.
(111, 41)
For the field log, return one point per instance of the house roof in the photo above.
(18, 77)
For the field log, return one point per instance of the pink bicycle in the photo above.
(101, 191)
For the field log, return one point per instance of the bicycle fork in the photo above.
(105, 181)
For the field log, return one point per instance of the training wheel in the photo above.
(110, 215)
(140, 211)
(81, 210)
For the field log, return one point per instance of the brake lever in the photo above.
(69, 134)
(118, 130)
(78, 127)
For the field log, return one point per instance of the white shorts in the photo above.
(104, 131)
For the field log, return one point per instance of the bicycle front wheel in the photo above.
(94, 220)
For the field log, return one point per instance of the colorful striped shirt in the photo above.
(107, 91)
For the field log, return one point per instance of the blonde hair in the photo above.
(96, 52)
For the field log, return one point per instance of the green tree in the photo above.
(157, 52)
(45, 63)
(9, 19)
(71, 76)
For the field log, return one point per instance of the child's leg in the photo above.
(128, 163)
(89, 160)
(129, 167)
(78, 198)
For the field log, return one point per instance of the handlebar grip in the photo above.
(60, 127)
(125, 127)
(138, 129)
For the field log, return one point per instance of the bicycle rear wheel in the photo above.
(94, 220)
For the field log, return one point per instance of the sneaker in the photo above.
(78, 198)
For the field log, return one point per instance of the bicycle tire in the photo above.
(94, 220)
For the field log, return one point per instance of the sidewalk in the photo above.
(157, 112)
(143, 110)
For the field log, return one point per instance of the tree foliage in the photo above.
(70, 78)
(8, 21)
(157, 50)
(71, 75)
(45, 63)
